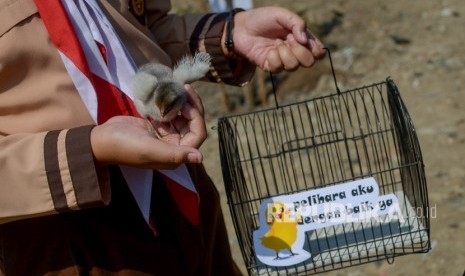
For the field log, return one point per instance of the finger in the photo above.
(189, 112)
(294, 23)
(192, 116)
(194, 99)
(273, 62)
(158, 154)
(316, 46)
(193, 140)
(163, 128)
(303, 55)
(288, 59)
(182, 154)
(170, 156)
(151, 129)
(192, 127)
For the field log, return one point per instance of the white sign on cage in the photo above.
(285, 219)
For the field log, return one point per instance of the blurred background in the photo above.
(419, 44)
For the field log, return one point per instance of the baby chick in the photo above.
(283, 229)
(159, 92)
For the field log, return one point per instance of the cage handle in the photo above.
(332, 71)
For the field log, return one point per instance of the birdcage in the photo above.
(322, 151)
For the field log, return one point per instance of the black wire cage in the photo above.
(320, 143)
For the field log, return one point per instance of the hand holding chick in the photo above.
(159, 92)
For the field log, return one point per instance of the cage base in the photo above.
(350, 244)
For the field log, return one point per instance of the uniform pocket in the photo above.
(13, 12)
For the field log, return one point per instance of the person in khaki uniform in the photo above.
(65, 207)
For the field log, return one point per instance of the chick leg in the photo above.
(292, 253)
(277, 256)
(155, 132)
(152, 129)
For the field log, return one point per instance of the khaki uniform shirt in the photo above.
(47, 171)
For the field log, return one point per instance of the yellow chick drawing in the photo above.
(283, 230)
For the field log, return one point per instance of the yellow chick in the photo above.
(283, 229)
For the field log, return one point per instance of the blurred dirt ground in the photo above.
(419, 44)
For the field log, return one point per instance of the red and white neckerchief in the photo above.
(102, 70)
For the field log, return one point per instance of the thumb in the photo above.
(179, 154)
(194, 157)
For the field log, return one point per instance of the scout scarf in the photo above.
(102, 70)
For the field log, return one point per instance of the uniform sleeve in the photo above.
(48, 173)
(46, 161)
(178, 35)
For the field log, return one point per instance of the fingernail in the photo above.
(304, 36)
(194, 158)
(312, 43)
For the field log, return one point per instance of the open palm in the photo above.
(127, 140)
